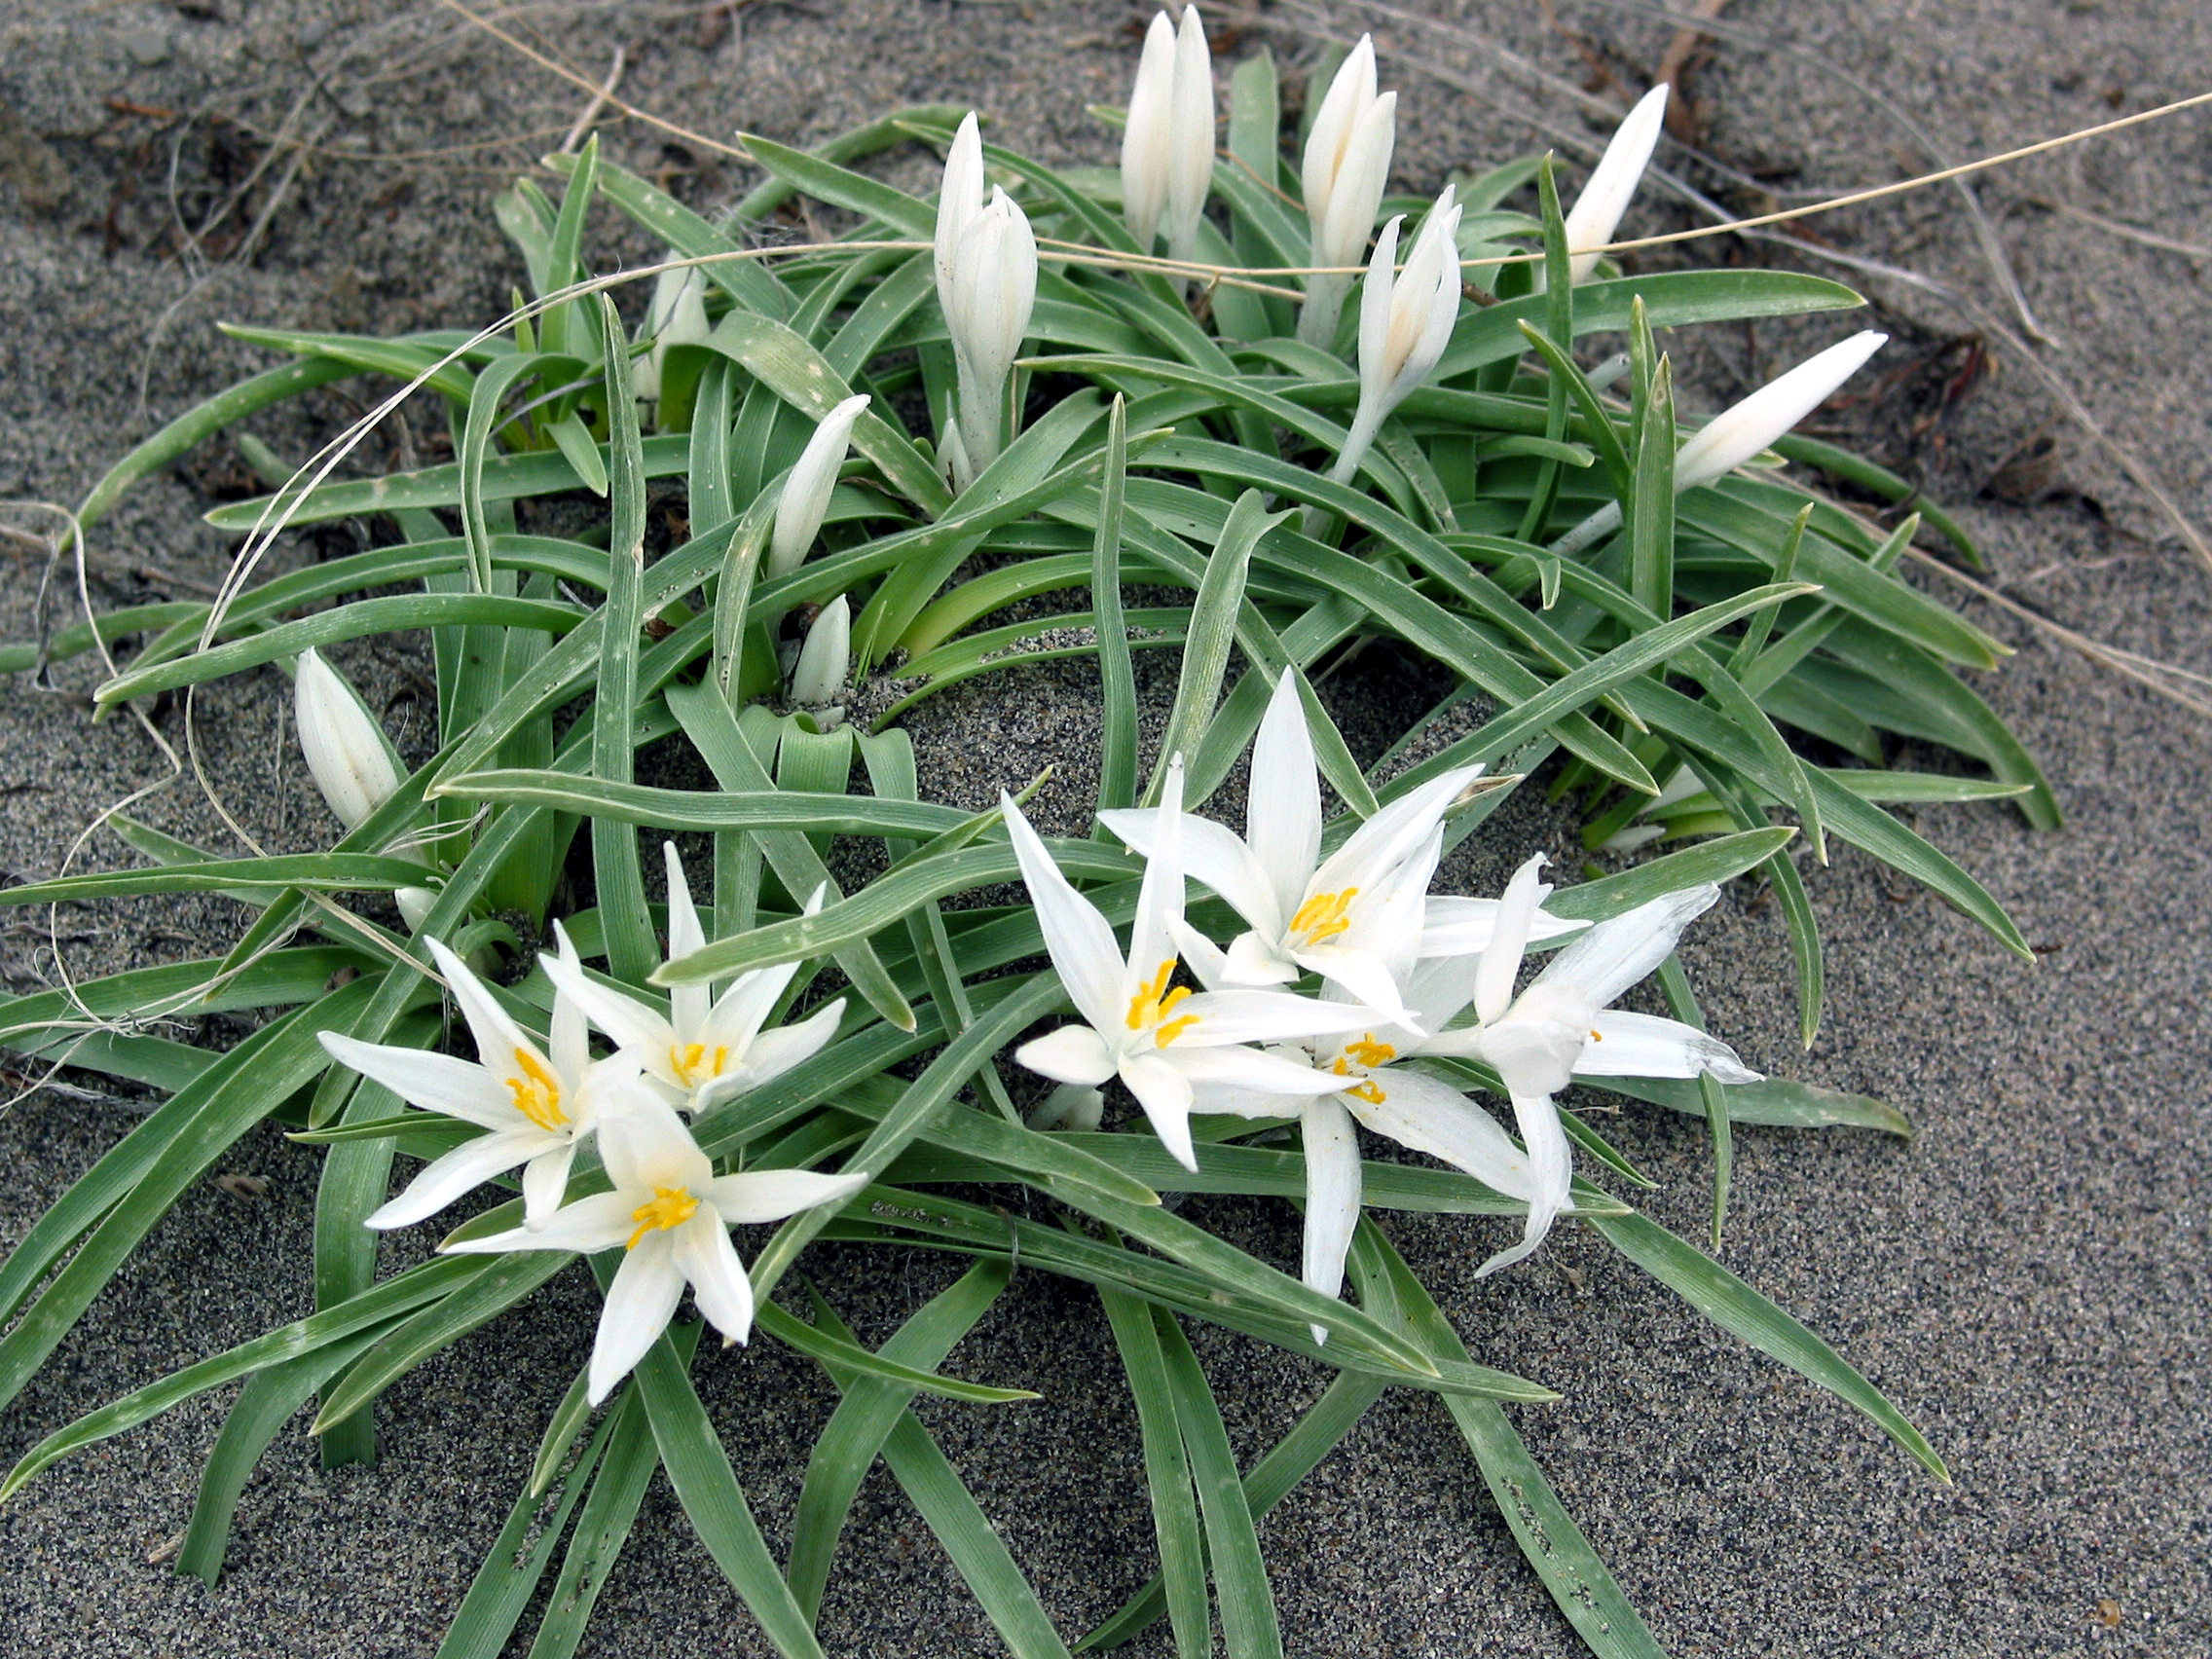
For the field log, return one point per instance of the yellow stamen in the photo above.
(1323, 916)
(670, 1206)
(1370, 1091)
(1597, 1036)
(690, 1059)
(536, 1091)
(1154, 1001)
(1369, 1052)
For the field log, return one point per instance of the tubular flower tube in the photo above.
(1330, 916)
(1743, 430)
(987, 285)
(677, 316)
(1173, 1050)
(349, 757)
(705, 1049)
(806, 487)
(819, 675)
(1347, 165)
(670, 1215)
(537, 1105)
(1597, 210)
(1405, 322)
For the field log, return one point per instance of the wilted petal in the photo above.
(640, 1301)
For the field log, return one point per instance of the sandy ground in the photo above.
(2027, 1279)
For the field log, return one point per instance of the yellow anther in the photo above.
(669, 1207)
(536, 1091)
(1323, 916)
(1154, 1001)
(1370, 1091)
(1597, 1036)
(1369, 1052)
(690, 1059)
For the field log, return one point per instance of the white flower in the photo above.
(1743, 430)
(1561, 1025)
(672, 1215)
(1172, 1050)
(819, 675)
(1356, 917)
(537, 1107)
(704, 1051)
(1167, 147)
(1612, 184)
(349, 757)
(987, 284)
(807, 486)
(677, 316)
(1347, 165)
(1405, 322)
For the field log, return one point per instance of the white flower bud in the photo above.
(349, 755)
(952, 461)
(1612, 184)
(1345, 167)
(1191, 138)
(1071, 1106)
(1405, 322)
(959, 200)
(1740, 431)
(806, 490)
(994, 290)
(820, 673)
(415, 905)
(1147, 138)
(677, 316)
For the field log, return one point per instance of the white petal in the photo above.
(687, 1003)
(1425, 1115)
(1332, 1197)
(437, 1083)
(641, 1032)
(640, 1301)
(1357, 190)
(1615, 954)
(1535, 1048)
(347, 753)
(1553, 1166)
(1206, 959)
(1282, 814)
(1191, 135)
(1082, 945)
(1612, 182)
(498, 1037)
(775, 1053)
(1164, 1093)
(1159, 897)
(544, 1179)
(807, 487)
(1740, 431)
(1212, 855)
(1365, 975)
(645, 1146)
(1375, 365)
(1223, 1073)
(1524, 894)
(589, 1224)
(570, 1040)
(757, 1195)
(819, 675)
(1253, 964)
(958, 202)
(1392, 835)
(1073, 1054)
(1350, 93)
(1263, 1017)
(1145, 133)
(705, 1254)
(1642, 1044)
(459, 1172)
(752, 997)
(1464, 927)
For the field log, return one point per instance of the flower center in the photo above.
(536, 1091)
(694, 1064)
(669, 1207)
(1154, 1001)
(1365, 1052)
(1323, 916)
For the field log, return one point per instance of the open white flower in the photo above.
(1345, 167)
(805, 499)
(1171, 1048)
(1167, 147)
(1743, 430)
(1405, 322)
(1596, 211)
(1344, 917)
(671, 1215)
(704, 1051)
(536, 1106)
(1562, 1024)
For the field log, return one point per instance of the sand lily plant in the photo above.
(700, 561)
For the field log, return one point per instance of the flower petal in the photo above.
(1391, 834)
(1073, 1054)
(1263, 1016)
(1223, 1072)
(1615, 954)
(639, 1030)
(1463, 927)
(1363, 975)
(544, 1179)
(596, 1222)
(498, 1036)
(645, 1146)
(705, 1254)
(1332, 1197)
(775, 1053)
(1552, 1164)
(459, 1172)
(1425, 1115)
(756, 1196)
(640, 1301)
(687, 1003)
(1206, 959)
(1212, 856)
(1643, 1044)
(1159, 897)
(1164, 1093)
(1254, 963)
(436, 1083)
(1524, 894)
(1282, 813)
(1081, 944)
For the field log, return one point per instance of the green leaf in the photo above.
(1181, 1589)
(1213, 627)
